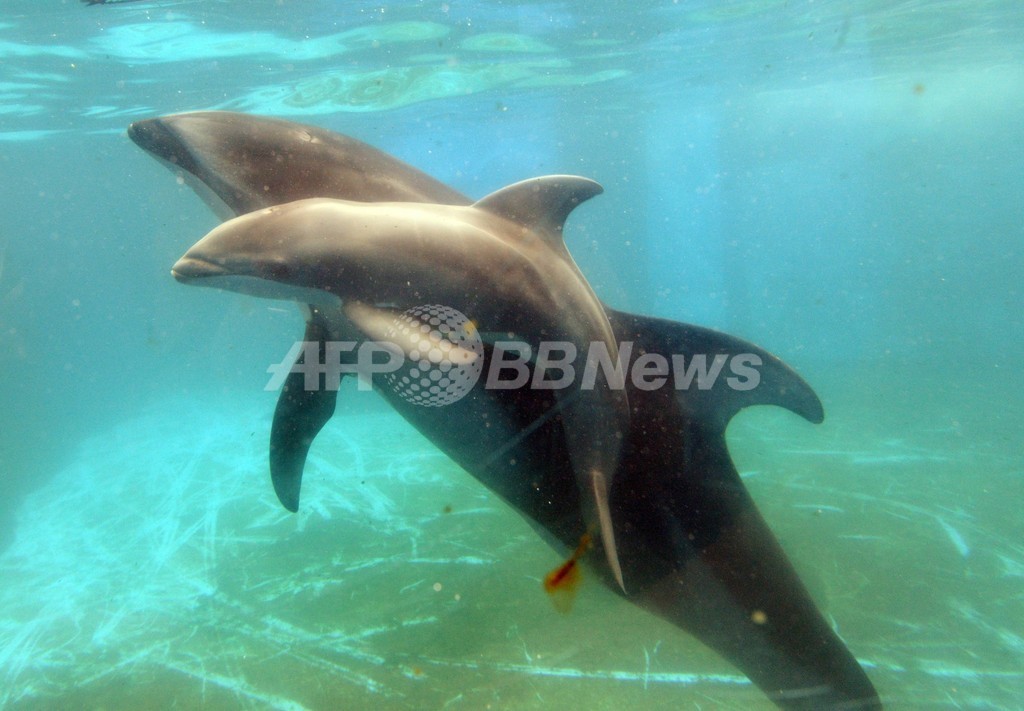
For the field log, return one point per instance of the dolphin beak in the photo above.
(157, 137)
(189, 269)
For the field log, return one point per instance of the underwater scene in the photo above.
(821, 202)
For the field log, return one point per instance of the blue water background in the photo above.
(838, 182)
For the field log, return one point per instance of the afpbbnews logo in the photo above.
(555, 368)
(434, 356)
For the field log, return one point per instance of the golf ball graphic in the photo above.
(444, 355)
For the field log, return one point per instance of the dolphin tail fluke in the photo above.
(300, 415)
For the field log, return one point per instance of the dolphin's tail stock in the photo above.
(707, 560)
(740, 595)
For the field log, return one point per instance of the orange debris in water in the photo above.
(563, 582)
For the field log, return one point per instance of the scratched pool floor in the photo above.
(159, 571)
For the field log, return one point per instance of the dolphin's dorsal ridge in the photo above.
(541, 204)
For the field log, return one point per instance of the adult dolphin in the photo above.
(694, 548)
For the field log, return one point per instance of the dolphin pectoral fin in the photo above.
(599, 491)
(380, 324)
(375, 322)
(593, 432)
(298, 418)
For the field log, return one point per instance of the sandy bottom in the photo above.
(159, 570)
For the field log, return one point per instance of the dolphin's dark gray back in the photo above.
(252, 162)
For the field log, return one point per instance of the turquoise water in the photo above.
(839, 183)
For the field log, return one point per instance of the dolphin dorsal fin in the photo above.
(541, 204)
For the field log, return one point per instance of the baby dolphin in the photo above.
(501, 261)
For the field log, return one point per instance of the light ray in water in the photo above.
(954, 535)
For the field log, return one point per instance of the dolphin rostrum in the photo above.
(692, 546)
